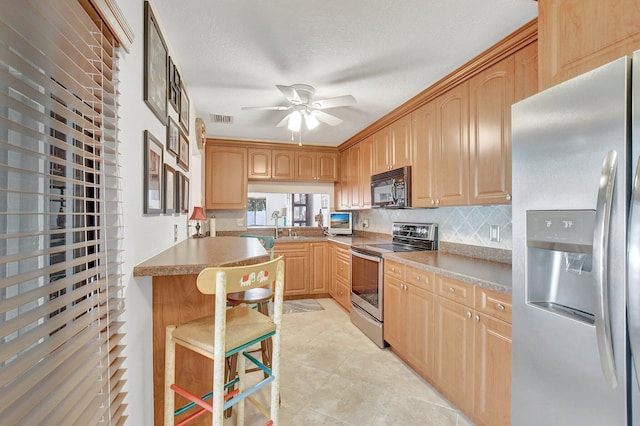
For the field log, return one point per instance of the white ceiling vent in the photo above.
(221, 119)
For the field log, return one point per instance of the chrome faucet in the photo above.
(275, 215)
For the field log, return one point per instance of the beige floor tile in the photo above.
(332, 374)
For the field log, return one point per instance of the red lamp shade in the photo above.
(198, 214)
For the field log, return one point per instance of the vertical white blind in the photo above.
(60, 217)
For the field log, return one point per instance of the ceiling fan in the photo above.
(302, 105)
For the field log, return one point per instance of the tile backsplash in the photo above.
(463, 225)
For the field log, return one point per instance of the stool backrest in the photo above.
(240, 278)
(267, 242)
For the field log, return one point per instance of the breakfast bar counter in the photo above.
(176, 300)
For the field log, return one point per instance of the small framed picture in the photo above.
(155, 66)
(169, 190)
(184, 110)
(173, 137)
(183, 155)
(185, 194)
(153, 162)
(173, 90)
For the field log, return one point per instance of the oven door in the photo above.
(366, 282)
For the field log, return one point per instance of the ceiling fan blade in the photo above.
(284, 121)
(289, 92)
(338, 101)
(327, 118)
(268, 108)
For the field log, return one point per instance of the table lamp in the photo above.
(198, 215)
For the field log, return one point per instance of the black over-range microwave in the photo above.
(392, 188)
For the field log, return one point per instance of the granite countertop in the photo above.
(194, 254)
(485, 273)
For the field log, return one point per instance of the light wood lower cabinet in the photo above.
(340, 279)
(296, 267)
(408, 313)
(455, 335)
(319, 256)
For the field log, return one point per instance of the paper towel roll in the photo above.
(212, 227)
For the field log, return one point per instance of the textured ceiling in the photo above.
(232, 53)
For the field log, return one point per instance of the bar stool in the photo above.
(260, 297)
(229, 332)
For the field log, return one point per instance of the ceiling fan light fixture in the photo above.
(295, 121)
(311, 121)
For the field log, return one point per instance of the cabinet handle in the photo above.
(500, 306)
(437, 202)
(417, 277)
(477, 318)
(508, 197)
(433, 201)
(468, 314)
(452, 290)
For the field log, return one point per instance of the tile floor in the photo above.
(331, 374)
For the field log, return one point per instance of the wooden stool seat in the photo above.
(257, 296)
(243, 325)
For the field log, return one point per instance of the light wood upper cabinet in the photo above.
(526, 71)
(576, 36)
(282, 165)
(366, 159)
(259, 163)
(452, 137)
(316, 166)
(426, 150)
(225, 178)
(353, 181)
(341, 189)
(392, 146)
(491, 94)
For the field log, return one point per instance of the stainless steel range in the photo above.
(367, 273)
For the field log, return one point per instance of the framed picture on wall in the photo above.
(173, 137)
(169, 201)
(183, 155)
(155, 66)
(184, 109)
(185, 194)
(173, 86)
(153, 162)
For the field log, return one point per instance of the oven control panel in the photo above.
(417, 231)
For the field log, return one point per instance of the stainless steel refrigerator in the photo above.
(576, 260)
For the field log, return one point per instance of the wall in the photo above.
(144, 236)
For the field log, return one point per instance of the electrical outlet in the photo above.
(494, 233)
(239, 222)
(175, 233)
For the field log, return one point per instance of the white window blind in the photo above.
(60, 217)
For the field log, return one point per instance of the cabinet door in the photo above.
(578, 36)
(332, 270)
(259, 163)
(393, 312)
(296, 268)
(526, 69)
(225, 178)
(319, 267)
(425, 152)
(381, 142)
(492, 403)
(452, 125)
(400, 147)
(454, 352)
(305, 165)
(419, 343)
(327, 167)
(491, 95)
(366, 158)
(283, 165)
(343, 200)
(353, 181)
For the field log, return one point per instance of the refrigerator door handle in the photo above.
(600, 250)
(633, 262)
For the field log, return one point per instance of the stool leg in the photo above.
(241, 386)
(169, 376)
(232, 371)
